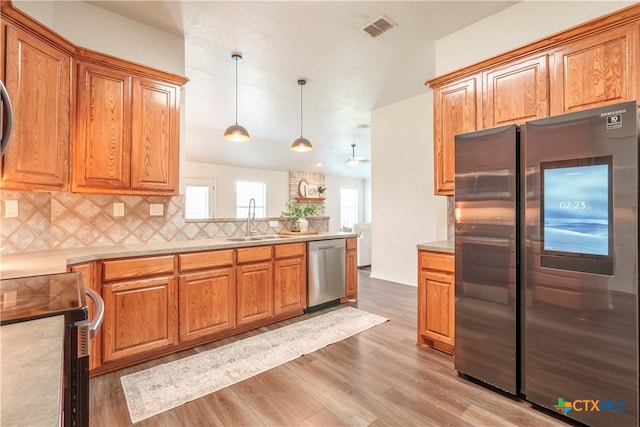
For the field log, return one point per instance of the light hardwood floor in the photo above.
(379, 377)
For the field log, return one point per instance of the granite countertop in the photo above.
(31, 371)
(56, 261)
(438, 246)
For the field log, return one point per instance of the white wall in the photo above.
(332, 198)
(405, 212)
(226, 176)
(277, 189)
(523, 23)
(97, 29)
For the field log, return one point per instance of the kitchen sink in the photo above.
(252, 238)
(243, 239)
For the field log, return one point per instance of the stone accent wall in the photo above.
(313, 179)
(61, 220)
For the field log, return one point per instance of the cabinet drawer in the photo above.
(289, 250)
(137, 267)
(352, 243)
(255, 253)
(202, 260)
(437, 261)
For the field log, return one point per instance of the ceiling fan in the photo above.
(354, 160)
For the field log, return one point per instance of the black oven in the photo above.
(38, 297)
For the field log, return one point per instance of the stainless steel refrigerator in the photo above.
(546, 252)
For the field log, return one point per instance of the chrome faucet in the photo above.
(251, 218)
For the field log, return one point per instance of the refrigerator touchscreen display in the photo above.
(576, 213)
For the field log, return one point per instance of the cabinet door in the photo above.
(439, 295)
(436, 300)
(103, 141)
(38, 81)
(207, 303)
(516, 92)
(454, 112)
(595, 71)
(140, 316)
(91, 280)
(156, 136)
(290, 285)
(254, 287)
(351, 267)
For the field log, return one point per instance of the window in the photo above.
(199, 198)
(348, 207)
(247, 190)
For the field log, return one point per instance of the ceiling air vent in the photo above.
(379, 26)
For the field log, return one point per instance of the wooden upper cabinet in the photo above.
(38, 82)
(127, 138)
(587, 66)
(156, 135)
(85, 121)
(596, 71)
(103, 136)
(454, 112)
(516, 92)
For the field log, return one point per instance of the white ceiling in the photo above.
(348, 72)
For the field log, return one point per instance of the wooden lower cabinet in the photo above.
(90, 277)
(290, 278)
(207, 294)
(254, 284)
(140, 316)
(157, 305)
(351, 268)
(436, 300)
(141, 306)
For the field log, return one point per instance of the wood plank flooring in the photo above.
(379, 377)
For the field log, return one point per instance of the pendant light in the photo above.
(236, 132)
(301, 144)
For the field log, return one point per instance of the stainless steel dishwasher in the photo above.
(325, 273)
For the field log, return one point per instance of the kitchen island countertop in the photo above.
(438, 246)
(57, 260)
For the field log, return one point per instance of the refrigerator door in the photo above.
(485, 256)
(580, 268)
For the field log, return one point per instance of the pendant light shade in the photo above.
(236, 132)
(302, 143)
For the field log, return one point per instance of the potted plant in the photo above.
(296, 214)
(321, 190)
(292, 212)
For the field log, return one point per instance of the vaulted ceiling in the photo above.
(348, 72)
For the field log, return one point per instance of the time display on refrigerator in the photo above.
(578, 204)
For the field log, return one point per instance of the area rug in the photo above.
(163, 387)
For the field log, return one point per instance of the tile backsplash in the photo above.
(61, 220)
